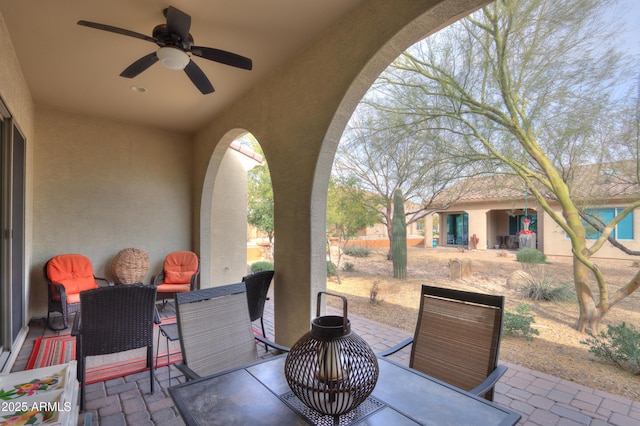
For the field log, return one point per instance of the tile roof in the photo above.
(603, 181)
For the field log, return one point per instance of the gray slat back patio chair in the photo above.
(457, 339)
(215, 330)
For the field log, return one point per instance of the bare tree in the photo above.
(382, 154)
(539, 86)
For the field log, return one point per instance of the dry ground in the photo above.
(556, 350)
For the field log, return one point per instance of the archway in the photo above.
(423, 26)
(298, 114)
(223, 217)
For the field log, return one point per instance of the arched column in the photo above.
(298, 115)
(219, 224)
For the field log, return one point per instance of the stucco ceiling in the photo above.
(75, 68)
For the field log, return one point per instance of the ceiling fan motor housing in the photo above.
(165, 38)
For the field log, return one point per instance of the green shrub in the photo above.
(261, 265)
(530, 255)
(544, 288)
(331, 268)
(619, 345)
(356, 251)
(348, 267)
(518, 323)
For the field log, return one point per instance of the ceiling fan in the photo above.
(176, 45)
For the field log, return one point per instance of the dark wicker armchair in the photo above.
(66, 276)
(114, 319)
(457, 339)
(215, 330)
(257, 289)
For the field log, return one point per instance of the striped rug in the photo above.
(61, 349)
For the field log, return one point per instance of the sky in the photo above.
(631, 14)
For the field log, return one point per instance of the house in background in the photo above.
(494, 209)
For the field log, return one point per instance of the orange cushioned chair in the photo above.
(67, 275)
(179, 275)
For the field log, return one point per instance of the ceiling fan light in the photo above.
(173, 58)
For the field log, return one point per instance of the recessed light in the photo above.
(139, 89)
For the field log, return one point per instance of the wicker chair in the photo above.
(114, 319)
(257, 289)
(215, 331)
(66, 276)
(179, 275)
(457, 339)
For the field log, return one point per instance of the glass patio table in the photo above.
(258, 394)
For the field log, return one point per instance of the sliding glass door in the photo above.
(12, 210)
(458, 229)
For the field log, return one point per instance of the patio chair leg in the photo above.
(164, 303)
(264, 334)
(49, 323)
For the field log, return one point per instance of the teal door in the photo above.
(458, 229)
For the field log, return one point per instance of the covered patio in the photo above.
(95, 167)
(96, 171)
(540, 398)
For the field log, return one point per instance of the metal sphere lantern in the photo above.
(330, 369)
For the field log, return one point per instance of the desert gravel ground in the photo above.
(556, 350)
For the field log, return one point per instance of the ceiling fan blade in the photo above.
(116, 30)
(223, 57)
(140, 65)
(198, 78)
(178, 22)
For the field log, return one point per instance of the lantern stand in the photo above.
(331, 369)
(526, 237)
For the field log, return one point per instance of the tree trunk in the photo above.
(399, 241)
(590, 313)
(389, 231)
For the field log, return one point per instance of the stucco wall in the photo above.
(13, 87)
(229, 224)
(102, 186)
(556, 242)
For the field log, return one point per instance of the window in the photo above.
(624, 229)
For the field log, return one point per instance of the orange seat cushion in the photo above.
(73, 298)
(174, 288)
(73, 271)
(179, 267)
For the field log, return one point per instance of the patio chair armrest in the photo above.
(490, 381)
(392, 350)
(57, 288)
(271, 343)
(108, 282)
(157, 279)
(75, 330)
(188, 373)
(194, 280)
